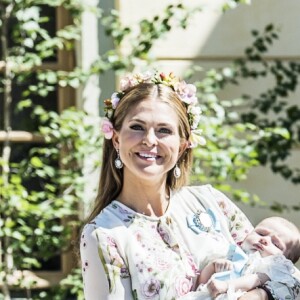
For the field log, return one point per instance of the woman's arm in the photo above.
(104, 273)
(256, 294)
(245, 283)
(217, 265)
(238, 224)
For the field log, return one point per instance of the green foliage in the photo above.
(38, 222)
(271, 109)
(273, 122)
(246, 132)
(31, 220)
(139, 38)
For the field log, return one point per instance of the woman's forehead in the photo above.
(154, 109)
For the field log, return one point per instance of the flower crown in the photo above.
(186, 92)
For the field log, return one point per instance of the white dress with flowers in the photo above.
(127, 255)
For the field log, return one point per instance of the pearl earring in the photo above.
(177, 172)
(118, 161)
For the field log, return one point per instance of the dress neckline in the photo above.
(144, 216)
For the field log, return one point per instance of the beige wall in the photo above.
(213, 40)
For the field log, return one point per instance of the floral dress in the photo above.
(127, 255)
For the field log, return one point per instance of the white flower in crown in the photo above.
(196, 138)
(128, 82)
(185, 91)
(195, 122)
(144, 77)
(115, 100)
(194, 113)
(195, 110)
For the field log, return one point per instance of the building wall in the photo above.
(214, 40)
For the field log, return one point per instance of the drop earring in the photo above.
(118, 162)
(177, 172)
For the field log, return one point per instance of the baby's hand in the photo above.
(217, 287)
(222, 264)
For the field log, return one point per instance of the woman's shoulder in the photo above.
(112, 218)
(195, 197)
(198, 191)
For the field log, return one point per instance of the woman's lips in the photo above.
(148, 155)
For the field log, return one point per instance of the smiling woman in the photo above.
(149, 235)
(149, 143)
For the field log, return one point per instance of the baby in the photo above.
(272, 248)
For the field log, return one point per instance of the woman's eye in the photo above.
(165, 130)
(136, 127)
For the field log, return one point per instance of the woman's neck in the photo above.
(150, 200)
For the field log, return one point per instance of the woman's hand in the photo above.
(256, 294)
(217, 287)
(222, 265)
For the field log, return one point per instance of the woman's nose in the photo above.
(150, 138)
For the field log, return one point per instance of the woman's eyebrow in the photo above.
(137, 120)
(144, 122)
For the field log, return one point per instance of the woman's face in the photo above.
(149, 141)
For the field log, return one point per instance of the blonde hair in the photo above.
(111, 179)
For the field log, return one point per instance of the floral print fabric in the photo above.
(126, 255)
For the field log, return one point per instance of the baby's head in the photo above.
(274, 235)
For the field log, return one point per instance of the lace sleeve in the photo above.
(105, 274)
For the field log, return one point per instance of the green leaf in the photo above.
(36, 162)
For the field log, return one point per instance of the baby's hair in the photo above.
(293, 249)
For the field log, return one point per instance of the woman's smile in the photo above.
(148, 156)
(149, 140)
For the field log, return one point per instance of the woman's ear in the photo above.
(115, 140)
(183, 146)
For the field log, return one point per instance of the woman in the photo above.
(149, 235)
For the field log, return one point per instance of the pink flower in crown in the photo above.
(187, 92)
(127, 82)
(114, 100)
(107, 128)
(144, 77)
